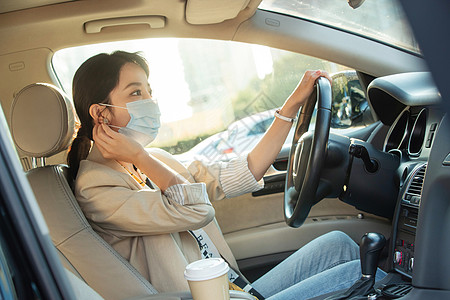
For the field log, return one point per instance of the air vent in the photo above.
(414, 190)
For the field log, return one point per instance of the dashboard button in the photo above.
(429, 140)
(411, 264)
(446, 161)
(433, 127)
(398, 257)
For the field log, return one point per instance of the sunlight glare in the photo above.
(263, 60)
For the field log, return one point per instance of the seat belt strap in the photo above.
(209, 250)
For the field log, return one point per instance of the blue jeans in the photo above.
(326, 264)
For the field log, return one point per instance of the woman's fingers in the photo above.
(100, 142)
(115, 145)
(320, 73)
(108, 135)
(306, 84)
(327, 76)
(99, 135)
(106, 144)
(310, 78)
(108, 131)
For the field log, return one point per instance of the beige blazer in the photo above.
(143, 225)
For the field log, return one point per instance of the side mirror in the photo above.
(349, 107)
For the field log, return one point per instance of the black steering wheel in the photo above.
(307, 156)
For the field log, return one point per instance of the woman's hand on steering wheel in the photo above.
(302, 92)
(307, 155)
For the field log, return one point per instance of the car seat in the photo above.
(42, 125)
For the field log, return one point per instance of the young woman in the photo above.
(154, 211)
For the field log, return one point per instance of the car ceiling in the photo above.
(14, 5)
(50, 23)
(197, 11)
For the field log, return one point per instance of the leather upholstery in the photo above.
(100, 266)
(36, 111)
(42, 120)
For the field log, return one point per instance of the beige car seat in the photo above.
(42, 125)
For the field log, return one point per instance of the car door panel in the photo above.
(254, 226)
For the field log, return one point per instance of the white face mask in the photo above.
(144, 123)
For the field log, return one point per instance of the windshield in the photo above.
(381, 20)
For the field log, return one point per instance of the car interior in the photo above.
(389, 177)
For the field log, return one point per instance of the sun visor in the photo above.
(199, 12)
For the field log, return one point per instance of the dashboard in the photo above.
(412, 132)
(411, 105)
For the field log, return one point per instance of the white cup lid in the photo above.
(206, 269)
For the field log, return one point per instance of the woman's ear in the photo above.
(95, 111)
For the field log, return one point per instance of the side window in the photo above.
(217, 98)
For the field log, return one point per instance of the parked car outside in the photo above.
(240, 138)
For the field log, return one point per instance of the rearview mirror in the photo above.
(349, 107)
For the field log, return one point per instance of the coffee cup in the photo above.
(208, 279)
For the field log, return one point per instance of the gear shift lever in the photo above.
(369, 249)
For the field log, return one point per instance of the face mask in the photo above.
(144, 123)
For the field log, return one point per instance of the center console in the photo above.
(398, 281)
(405, 230)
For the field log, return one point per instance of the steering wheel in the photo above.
(307, 156)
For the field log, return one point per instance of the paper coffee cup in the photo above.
(208, 279)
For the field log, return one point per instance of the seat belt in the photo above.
(209, 250)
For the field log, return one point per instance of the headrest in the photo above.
(42, 120)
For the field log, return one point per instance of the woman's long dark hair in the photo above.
(92, 84)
